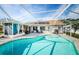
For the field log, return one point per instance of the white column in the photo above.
(38, 28)
(18, 27)
(50, 28)
(12, 28)
(30, 28)
(46, 28)
(22, 28)
(70, 30)
(62, 29)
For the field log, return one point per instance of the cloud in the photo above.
(73, 15)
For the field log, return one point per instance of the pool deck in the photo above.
(32, 35)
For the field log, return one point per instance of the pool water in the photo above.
(40, 45)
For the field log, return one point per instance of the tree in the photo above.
(73, 22)
(75, 26)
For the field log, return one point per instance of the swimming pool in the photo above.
(40, 45)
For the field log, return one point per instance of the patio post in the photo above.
(70, 29)
(30, 29)
(46, 28)
(38, 28)
(18, 28)
(22, 28)
(3, 29)
(12, 28)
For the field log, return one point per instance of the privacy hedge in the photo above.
(73, 35)
(1, 32)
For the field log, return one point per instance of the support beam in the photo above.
(63, 10)
(3, 29)
(27, 11)
(70, 29)
(39, 29)
(46, 28)
(73, 12)
(22, 28)
(12, 28)
(5, 11)
(18, 27)
(40, 12)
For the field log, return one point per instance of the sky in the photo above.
(38, 12)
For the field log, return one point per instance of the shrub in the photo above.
(1, 32)
(73, 34)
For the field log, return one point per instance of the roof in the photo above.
(56, 22)
(50, 22)
(7, 20)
